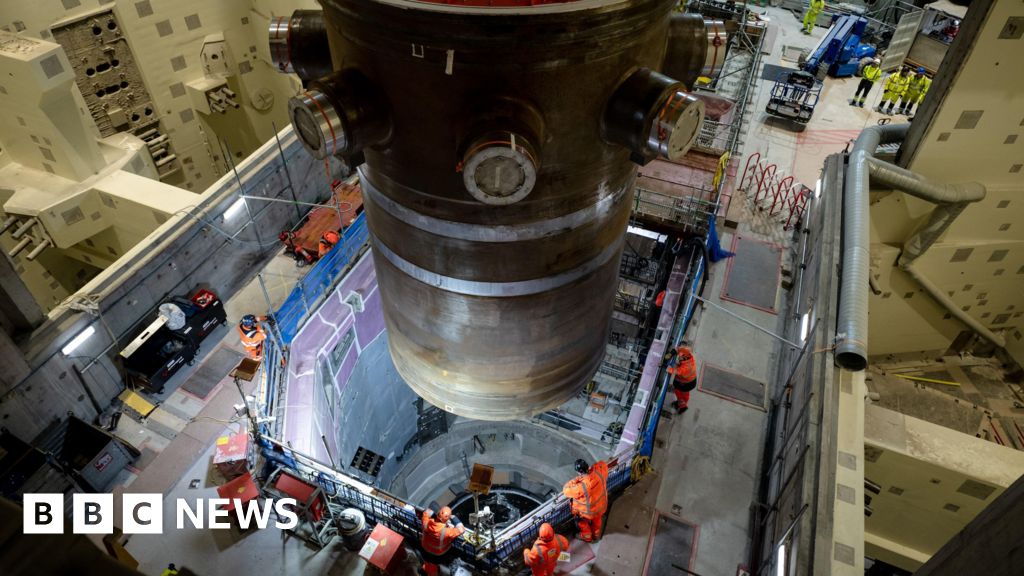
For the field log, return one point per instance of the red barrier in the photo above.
(797, 207)
(782, 192)
(755, 158)
(764, 183)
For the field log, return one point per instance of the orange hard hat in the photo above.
(546, 532)
(444, 514)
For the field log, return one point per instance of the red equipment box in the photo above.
(303, 493)
(231, 455)
(243, 488)
(384, 550)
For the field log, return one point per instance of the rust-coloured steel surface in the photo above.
(500, 142)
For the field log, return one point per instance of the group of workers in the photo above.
(588, 494)
(906, 85)
(901, 89)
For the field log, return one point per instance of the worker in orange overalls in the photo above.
(543, 556)
(252, 335)
(589, 494)
(437, 539)
(683, 368)
(327, 241)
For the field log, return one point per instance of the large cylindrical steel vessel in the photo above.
(500, 146)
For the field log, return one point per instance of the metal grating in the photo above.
(733, 386)
(672, 548)
(211, 372)
(752, 278)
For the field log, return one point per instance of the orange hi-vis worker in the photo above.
(327, 241)
(542, 558)
(589, 494)
(252, 335)
(437, 539)
(683, 368)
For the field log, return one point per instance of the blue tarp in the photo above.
(320, 279)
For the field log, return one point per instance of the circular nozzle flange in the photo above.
(500, 170)
(651, 115)
(278, 40)
(676, 128)
(317, 123)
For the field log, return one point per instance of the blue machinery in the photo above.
(377, 505)
(840, 51)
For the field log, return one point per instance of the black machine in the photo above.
(172, 338)
(794, 96)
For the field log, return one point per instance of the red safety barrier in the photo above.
(764, 182)
(743, 183)
(797, 207)
(782, 192)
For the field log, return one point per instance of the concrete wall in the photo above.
(934, 482)
(146, 23)
(306, 417)
(970, 128)
(195, 248)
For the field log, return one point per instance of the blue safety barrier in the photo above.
(320, 279)
(381, 507)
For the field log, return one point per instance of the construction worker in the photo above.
(683, 367)
(589, 494)
(438, 535)
(871, 74)
(917, 87)
(542, 557)
(252, 335)
(894, 87)
(171, 570)
(327, 241)
(812, 15)
(659, 301)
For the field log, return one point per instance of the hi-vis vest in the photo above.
(437, 536)
(685, 369)
(589, 493)
(253, 337)
(543, 557)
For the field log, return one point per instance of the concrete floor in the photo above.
(706, 460)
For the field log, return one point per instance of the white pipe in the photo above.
(38, 250)
(20, 246)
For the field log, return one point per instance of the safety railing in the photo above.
(689, 213)
(319, 281)
(403, 517)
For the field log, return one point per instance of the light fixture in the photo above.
(817, 188)
(234, 208)
(804, 326)
(78, 340)
(646, 233)
(780, 560)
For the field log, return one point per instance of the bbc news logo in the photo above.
(144, 513)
